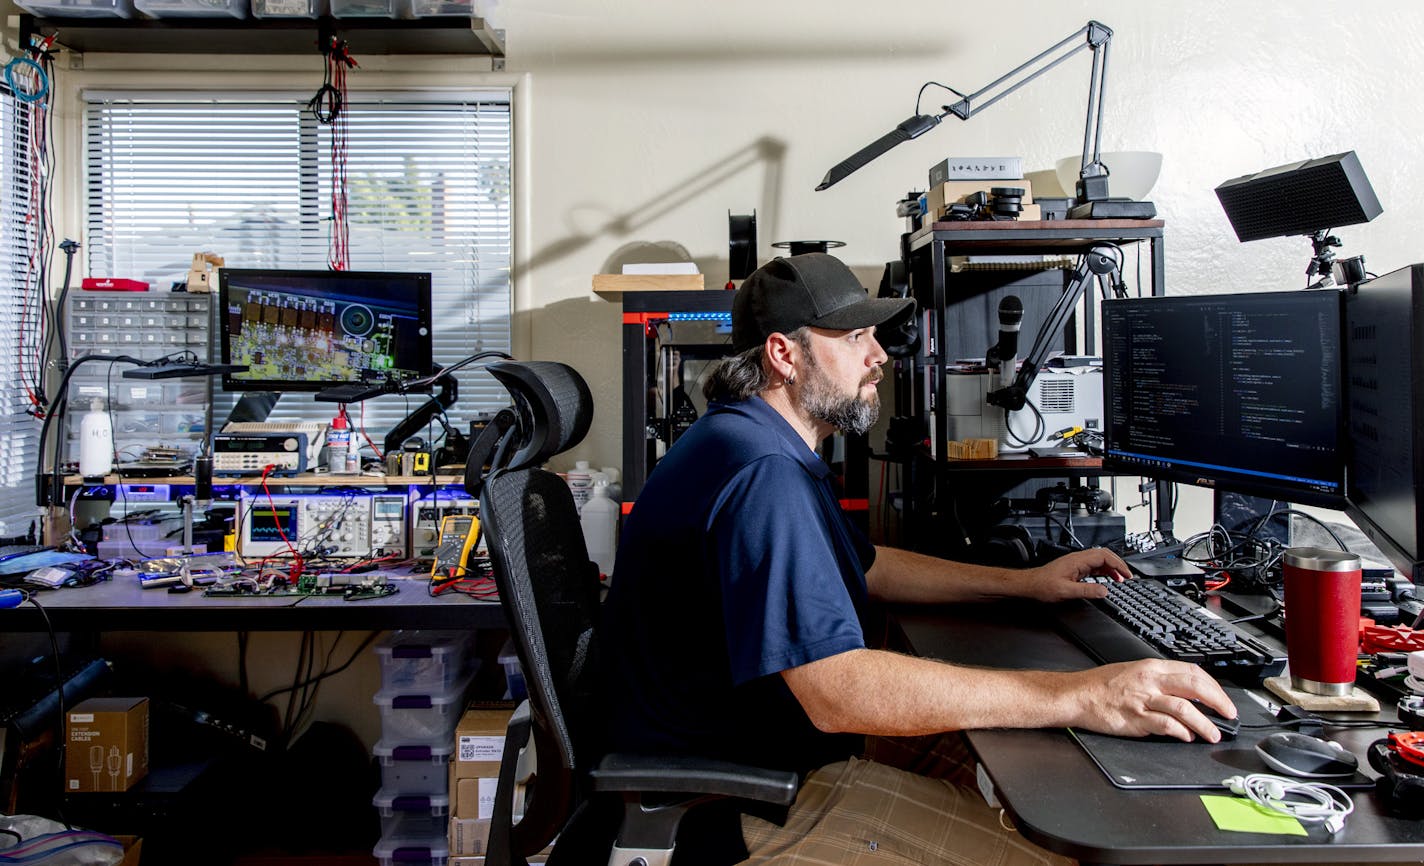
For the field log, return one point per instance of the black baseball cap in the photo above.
(813, 289)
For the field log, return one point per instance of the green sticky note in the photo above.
(1240, 815)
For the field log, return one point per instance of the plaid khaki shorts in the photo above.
(913, 801)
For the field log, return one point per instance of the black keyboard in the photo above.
(1143, 619)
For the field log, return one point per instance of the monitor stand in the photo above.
(253, 406)
(424, 413)
(1241, 513)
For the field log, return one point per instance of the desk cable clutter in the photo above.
(1307, 802)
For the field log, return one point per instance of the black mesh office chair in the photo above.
(550, 594)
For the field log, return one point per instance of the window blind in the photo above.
(19, 432)
(248, 176)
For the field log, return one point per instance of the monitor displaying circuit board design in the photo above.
(308, 330)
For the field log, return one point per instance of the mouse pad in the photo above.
(1153, 762)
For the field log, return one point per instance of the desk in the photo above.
(120, 605)
(1060, 800)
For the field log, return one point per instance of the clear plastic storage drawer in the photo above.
(405, 846)
(422, 716)
(194, 9)
(80, 8)
(414, 769)
(416, 658)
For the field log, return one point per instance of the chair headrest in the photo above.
(554, 405)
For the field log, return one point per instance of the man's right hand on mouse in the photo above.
(1151, 697)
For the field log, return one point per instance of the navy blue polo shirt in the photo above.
(735, 564)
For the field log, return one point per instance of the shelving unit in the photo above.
(445, 35)
(934, 487)
(643, 428)
(647, 427)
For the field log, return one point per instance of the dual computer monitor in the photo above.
(1310, 397)
(299, 330)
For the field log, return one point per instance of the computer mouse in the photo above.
(1229, 727)
(1302, 755)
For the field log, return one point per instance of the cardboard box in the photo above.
(469, 836)
(479, 859)
(940, 197)
(106, 744)
(474, 798)
(479, 743)
(133, 849)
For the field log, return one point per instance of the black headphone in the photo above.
(1009, 545)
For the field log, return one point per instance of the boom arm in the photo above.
(1094, 265)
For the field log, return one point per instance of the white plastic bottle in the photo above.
(599, 520)
(96, 441)
(580, 481)
(338, 444)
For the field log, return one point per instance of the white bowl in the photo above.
(1131, 173)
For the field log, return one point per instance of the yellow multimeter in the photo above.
(458, 534)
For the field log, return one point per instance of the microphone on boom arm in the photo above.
(1004, 354)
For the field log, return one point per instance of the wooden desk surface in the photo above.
(305, 479)
(1059, 799)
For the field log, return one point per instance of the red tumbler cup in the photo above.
(1322, 619)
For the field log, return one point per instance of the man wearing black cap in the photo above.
(733, 626)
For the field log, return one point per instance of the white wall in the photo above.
(647, 121)
(638, 106)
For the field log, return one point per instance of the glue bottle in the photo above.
(338, 444)
(96, 441)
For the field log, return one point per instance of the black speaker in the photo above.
(1299, 199)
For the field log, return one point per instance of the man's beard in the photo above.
(847, 413)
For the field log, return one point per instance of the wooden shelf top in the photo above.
(1007, 236)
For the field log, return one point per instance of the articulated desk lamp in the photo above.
(1092, 187)
(49, 487)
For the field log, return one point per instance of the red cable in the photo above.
(337, 60)
(296, 570)
(367, 436)
(32, 373)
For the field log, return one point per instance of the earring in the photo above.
(791, 380)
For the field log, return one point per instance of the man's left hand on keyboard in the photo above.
(1063, 578)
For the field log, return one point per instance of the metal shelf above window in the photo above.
(446, 35)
